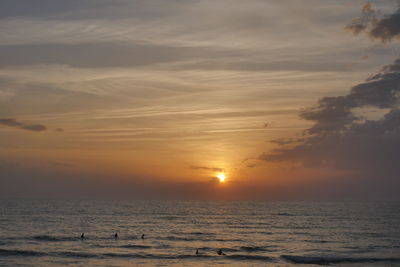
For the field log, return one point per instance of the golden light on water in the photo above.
(221, 177)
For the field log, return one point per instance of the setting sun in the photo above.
(221, 177)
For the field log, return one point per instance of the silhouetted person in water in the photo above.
(219, 252)
(197, 252)
(116, 235)
(82, 235)
(142, 236)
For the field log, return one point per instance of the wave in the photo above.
(72, 254)
(136, 246)
(254, 248)
(170, 217)
(225, 240)
(192, 256)
(249, 257)
(283, 214)
(323, 260)
(31, 253)
(194, 236)
(201, 233)
(225, 249)
(318, 241)
(194, 233)
(177, 238)
(50, 238)
(16, 252)
(214, 249)
(198, 238)
(318, 260)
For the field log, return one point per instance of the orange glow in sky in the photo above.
(150, 101)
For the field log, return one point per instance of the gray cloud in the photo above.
(206, 168)
(16, 124)
(251, 162)
(336, 125)
(368, 150)
(83, 9)
(382, 28)
(22, 8)
(286, 141)
(358, 25)
(334, 114)
(343, 140)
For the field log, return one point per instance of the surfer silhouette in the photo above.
(82, 235)
(142, 236)
(197, 252)
(219, 252)
(116, 235)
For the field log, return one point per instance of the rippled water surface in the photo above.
(47, 233)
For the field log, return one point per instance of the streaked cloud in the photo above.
(214, 169)
(99, 55)
(24, 126)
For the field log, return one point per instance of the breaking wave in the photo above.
(334, 259)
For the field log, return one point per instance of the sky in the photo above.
(290, 100)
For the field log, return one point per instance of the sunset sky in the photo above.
(155, 99)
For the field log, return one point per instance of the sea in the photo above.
(48, 233)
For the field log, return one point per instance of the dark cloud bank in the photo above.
(383, 28)
(342, 138)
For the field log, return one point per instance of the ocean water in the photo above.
(47, 233)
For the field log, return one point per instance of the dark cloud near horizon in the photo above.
(383, 28)
(24, 126)
(343, 140)
(381, 90)
(337, 126)
(206, 168)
